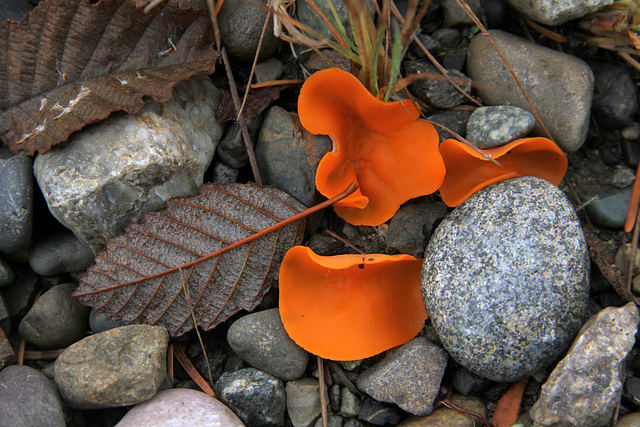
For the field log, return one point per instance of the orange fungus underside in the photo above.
(381, 146)
(349, 307)
(468, 171)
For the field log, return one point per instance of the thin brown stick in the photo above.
(449, 404)
(182, 358)
(632, 212)
(243, 124)
(483, 153)
(632, 255)
(276, 83)
(323, 392)
(213, 13)
(21, 347)
(342, 240)
(493, 43)
(349, 190)
(635, 64)
(253, 66)
(42, 354)
(551, 35)
(170, 370)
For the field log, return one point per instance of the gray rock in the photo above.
(28, 399)
(621, 176)
(335, 399)
(288, 155)
(231, 150)
(120, 367)
(223, 174)
(632, 389)
(303, 401)
(332, 421)
(585, 387)
(506, 278)
(180, 407)
(5, 319)
(431, 43)
(99, 322)
(455, 120)
(256, 397)
(490, 127)
(556, 12)
(21, 293)
(455, 15)
(60, 253)
(268, 70)
(438, 93)
(56, 320)
(629, 420)
(449, 37)
(449, 417)
(352, 422)
(615, 97)
(241, 24)
(410, 228)
(6, 274)
(559, 85)
(350, 404)
(468, 383)
(379, 414)
(609, 209)
(261, 340)
(308, 17)
(16, 201)
(110, 173)
(393, 379)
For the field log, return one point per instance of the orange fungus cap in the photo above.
(349, 307)
(468, 171)
(381, 146)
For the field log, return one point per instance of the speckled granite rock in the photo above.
(119, 367)
(506, 278)
(408, 376)
(110, 173)
(554, 12)
(180, 407)
(490, 127)
(585, 387)
(559, 85)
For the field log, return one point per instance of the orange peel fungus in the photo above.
(381, 146)
(349, 307)
(468, 171)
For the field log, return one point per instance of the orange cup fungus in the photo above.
(381, 146)
(349, 307)
(468, 171)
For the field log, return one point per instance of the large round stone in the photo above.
(506, 279)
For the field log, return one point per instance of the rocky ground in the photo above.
(526, 316)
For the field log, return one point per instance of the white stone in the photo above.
(554, 12)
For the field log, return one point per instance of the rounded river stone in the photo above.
(506, 279)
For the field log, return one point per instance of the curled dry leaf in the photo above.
(70, 63)
(139, 277)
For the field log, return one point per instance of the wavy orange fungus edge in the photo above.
(468, 171)
(350, 307)
(381, 146)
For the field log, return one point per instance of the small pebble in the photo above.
(556, 12)
(120, 367)
(256, 397)
(621, 176)
(631, 131)
(99, 322)
(434, 92)
(449, 417)
(61, 253)
(180, 407)
(303, 401)
(454, 14)
(56, 320)
(615, 97)
(223, 174)
(16, 201)
(432, 44)
(609, 209)
(629, 420)
(455, 120)
(6, 273)
(231, 150)
(351, 404)
(379, 414)
(468, 383)
(332, 421)
(586, 385)
(21, 293)
(260, 339)
(411, 226)
(490, 127)
(448, 37)
(335, 398)
(28, 398)
(268, 70)
(393, 379)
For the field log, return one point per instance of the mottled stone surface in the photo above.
(180, 407)
(490, 127)
(261, 340)
(56, 320)
(110, 173)
(585, 387)
(28, 398)
(559, 85)
(609, 207)
(232, 151)
(288, 155)
(448, 417)
(615, 96)
(556, 12)
(506, 278)
(438, 93)
(303, 401)
(256, 397)
(60, 253)
(16, 201)
(411, 226)
(455, 15)
(119, 367)
(408, 376)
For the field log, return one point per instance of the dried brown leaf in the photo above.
(139, 277)
(257, 101)
(70, 63)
